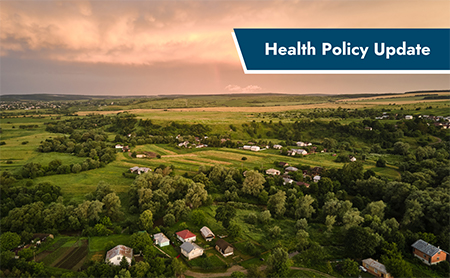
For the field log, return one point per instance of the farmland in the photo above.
(68, 168)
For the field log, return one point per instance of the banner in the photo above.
(340, 51)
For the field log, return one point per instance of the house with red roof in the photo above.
(186, 236)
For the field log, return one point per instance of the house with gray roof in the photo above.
(376, 268)
(191, 250)
(428, 253)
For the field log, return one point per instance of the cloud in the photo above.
(190, 32)
(239, 89)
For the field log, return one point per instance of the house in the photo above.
(207, 233)
(317, 170)
(224, 248)
(376, 268)
(186, 236)
(303, 183)
(368, 128)
(287, 181)
(184, 144)
(291, 169)
(428, 253)
(297, 151)
(141, 156)
(303, 144)
(42, 237)
(408, 117)
(201, 146)
(247, 147)
(115, 255)
(161, 240)
(191, 250)
(126, 149)
(277, 147)
(316, 178)
(273, 172)
(255, 148)
(283, 164)
(352, 158)
(119, 146)
(139, 170)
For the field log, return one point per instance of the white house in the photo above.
(316, 178)
(207, 233)
(184, 144)
(186, 236)
(291, 169)
(273, 172)
(141, 156)
(191, 250)
(247, 147)
(278, 147)
(352, 158)
(255, 148)
(287, 181)
(161, 240)
(119, 146)
(115, 255)
(408, 117)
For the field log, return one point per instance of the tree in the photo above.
(112, 206)
(146, 220)
(102, 190)
(178, 267)
(278, 263)
(237, 274)
(124, 265)
(352, 218)
(234, 230)
(381, 162)
(302, 224)
(352, 172)
(350, 267)
(302, 239)
(225, 214)
(94, 210)
(304, 207)
(76, 168)
(275, 231)
(251, 218)
(277, 202)
(196, 195)
(123, 273)
(169, 220)
(394, 262)
(253, 183)
(329, 222)
(140, 241)
(9, 241)
(198, 217)
(401, 148)
(329, 143)
(360, 242)
(375, 209)
(264, 217)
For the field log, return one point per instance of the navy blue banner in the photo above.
(344, 50)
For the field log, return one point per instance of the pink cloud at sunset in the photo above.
(189, 41)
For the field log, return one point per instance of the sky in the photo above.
(185, 47)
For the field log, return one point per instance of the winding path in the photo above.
(243, 270)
